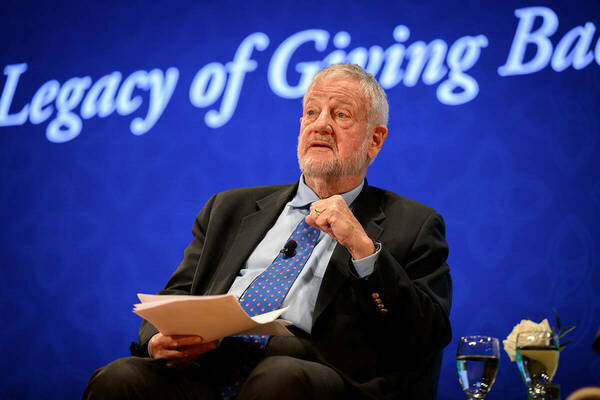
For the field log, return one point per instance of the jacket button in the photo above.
(381, 306)
(375, 295)
(383, 310)
(377, 301)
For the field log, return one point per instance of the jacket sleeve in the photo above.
(418, 288)
(411, 293)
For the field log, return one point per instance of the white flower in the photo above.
(510, 343)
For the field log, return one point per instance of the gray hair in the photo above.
(378, 110)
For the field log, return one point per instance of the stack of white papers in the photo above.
(212, 317)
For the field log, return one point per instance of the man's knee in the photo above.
(122, 378)
(283, 377)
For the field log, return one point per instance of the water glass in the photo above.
(477, 360)
(537, 359)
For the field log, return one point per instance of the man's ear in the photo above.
(377, 138)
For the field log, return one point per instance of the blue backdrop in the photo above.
(118, 120)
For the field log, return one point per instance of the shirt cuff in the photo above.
(366, 266)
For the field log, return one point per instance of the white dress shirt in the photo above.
(303, 294)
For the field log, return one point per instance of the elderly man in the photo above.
(369, 293)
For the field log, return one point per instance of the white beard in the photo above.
(335, 167)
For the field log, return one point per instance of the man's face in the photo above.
(334, 130)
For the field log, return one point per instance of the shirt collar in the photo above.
(305, 196)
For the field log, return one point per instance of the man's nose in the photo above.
(323, 122)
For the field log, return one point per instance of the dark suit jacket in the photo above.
(381, 355)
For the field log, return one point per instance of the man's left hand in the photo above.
(333, 216)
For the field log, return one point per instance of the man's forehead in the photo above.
(337, 87)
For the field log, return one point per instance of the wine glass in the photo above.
(477, 363)
(537, 358)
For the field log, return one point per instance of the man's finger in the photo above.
(169, 354)
(173, 342)
(324, 223)
(183, 358)
(181, 341)
(164, 341)
(199, 349)
(320, 223)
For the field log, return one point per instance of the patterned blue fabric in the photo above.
(266, 293)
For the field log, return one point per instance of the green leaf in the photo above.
(557, 319)
(565, 331)
(563, 345)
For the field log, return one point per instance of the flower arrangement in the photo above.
(510, 343)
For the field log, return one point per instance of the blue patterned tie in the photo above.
(266, 293)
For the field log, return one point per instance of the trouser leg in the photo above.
(144, 378)
(290, 378)
(288, 371)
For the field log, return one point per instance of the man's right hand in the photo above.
(178, 350)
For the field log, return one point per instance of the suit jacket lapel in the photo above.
(252, 229)
(368, 212)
